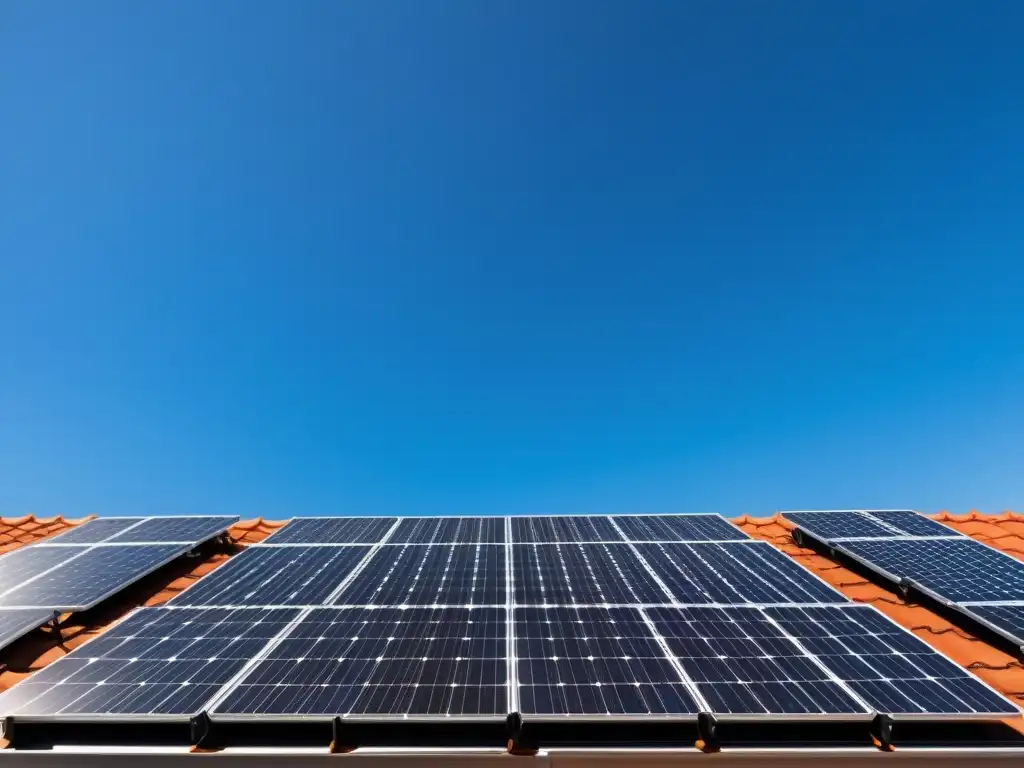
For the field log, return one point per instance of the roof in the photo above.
(1003, 672)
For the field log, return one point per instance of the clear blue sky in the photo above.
(507, 256)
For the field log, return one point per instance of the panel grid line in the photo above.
(698, 697)
(511, 660)
(643, 561)
(362, 565)
(225, 690)
(818, 662)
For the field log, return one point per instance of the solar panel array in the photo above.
(81, 567)
(474, 618)
(982, 582)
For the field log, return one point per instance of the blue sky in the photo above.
(509, 257)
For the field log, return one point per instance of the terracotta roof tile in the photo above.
(1006, 531)
(18, 531)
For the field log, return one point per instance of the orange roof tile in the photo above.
(18, 531)
(1000, 670)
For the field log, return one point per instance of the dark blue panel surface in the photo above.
(594, 661)
(332, 530)
(174, 529)
(913, 524)
(829, 526)
(742, 664)
(449, 530)
(444, 662)
(582, 574)
(95, 531)
(84, 581)
(1008, 619)
(15, 623)
(678, 528)
(158, 661)
(580, 528)
(961, 570)
(275, 576)
(888, 668)
(745, 572)
(437, 574)
(19, 566)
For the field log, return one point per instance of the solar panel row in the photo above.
(453, 662)
(491, 530)
(545, 574)
(457, 618)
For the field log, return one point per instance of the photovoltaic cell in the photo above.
(437, 574)
(95, 530)
(526, 530)
(594, 661)
(888, 668)
(961, 570)
(381, 662)
(278, 576)
(82, 582)
(173, 529)
(744, 572)
(332, 530)
(449, 530)
(582, 574)
(19, 566)
(156, 662)
(678, 528)
(830, 526)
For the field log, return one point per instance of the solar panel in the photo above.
(173, 529)
(448, 662)
(741, 572)
(438, 574)
(678, 528)
(333, 530)
(281, 576)
(1008, 620)
(961, 570)
(88, 578)
(96, 530)
(886, 666)
(830, 526)
(582, 574)
(742, 664)
(853, 524)
(913, 524)
(21, 565)
(594, 661)
(449, 530)
(157, 662)
(548, 530)
(18, 622)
